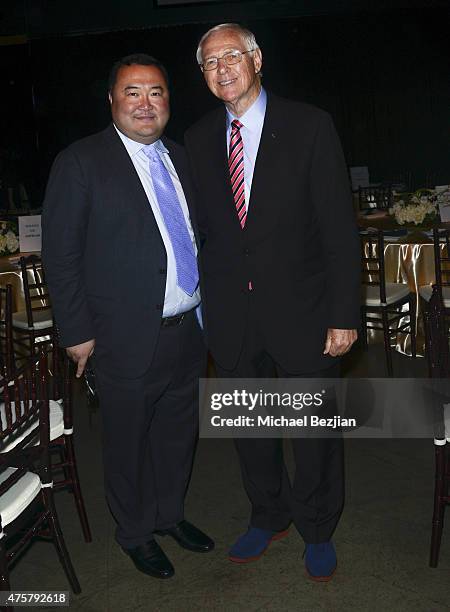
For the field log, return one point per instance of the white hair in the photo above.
(248, 38)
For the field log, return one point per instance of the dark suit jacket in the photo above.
(299, 247)
(103, 254)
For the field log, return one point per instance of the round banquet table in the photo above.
(408, 259)
(10, 275)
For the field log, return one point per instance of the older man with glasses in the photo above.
(281, 285)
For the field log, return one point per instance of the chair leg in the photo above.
(76, 489)
(387, 343)
(439, 504)
(56, 365)
(364, 341)
(423, 310)
(4, 572)
(413, 324)
(58, 540)
(65, 468)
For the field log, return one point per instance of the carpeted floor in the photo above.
(382, 539)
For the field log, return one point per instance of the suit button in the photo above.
(159, 306)
(246, 252)
(162, 270)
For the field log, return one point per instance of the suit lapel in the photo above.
(267, 169)
(120, 162)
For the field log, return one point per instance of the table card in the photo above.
(30, 233)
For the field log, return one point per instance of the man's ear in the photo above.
(257, 60)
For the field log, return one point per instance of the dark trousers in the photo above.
(150, 428)
(315, 499)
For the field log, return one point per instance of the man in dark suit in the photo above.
(120, 257)
(281, 285)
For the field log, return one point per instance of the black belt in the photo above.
(175, 320)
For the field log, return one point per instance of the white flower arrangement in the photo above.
(415, 208)
(9, 242)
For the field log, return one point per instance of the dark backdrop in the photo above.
(383, 77)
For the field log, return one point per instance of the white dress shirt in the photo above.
(176, 300)
(252, 121)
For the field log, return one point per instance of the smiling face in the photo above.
(237, 85)
(140, 102)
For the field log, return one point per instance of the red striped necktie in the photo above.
(236, 166)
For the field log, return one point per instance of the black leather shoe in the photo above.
(188, 536)
(150, 559)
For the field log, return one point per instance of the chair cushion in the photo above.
(56, 425)
(426, 292)
(19, 496)
(41, 319)
(394, 292)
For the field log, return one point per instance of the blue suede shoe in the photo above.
(320, 561)
(251, 545)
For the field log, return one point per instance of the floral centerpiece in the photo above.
(418, 208)
(9, 242)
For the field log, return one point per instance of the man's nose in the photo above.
(222, 66)
(147, 102)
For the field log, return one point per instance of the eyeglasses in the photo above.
(230, 58)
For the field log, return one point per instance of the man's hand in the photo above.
(80, 353)
(339, 341)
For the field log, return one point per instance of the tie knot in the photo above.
(151, 152)
(236, 124)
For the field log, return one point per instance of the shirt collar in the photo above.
(133, 147)
(253, 116)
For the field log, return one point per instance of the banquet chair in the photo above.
(6, 337)
(64, 466)
(61, 438)
(27, 506)
(441, 252)
(33, 326)
(437, 323)
(383, 303)
(380, 197)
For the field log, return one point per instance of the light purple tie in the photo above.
(169, 205)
